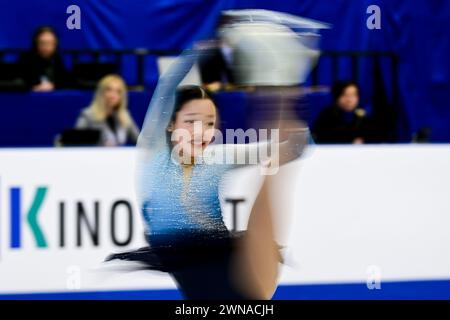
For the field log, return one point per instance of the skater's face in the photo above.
(193, 127)
(349, 99)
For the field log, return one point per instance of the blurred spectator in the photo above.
(42, 67)
(108, 113)
(216, 65)
(344, 121)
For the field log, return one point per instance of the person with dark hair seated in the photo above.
(344, 121)
(216, 65)
(42, 68)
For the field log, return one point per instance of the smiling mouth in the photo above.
(199, 144)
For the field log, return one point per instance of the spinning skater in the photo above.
(179, 173)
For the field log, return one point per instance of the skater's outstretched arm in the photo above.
(153, 137)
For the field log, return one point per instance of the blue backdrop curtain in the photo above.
(416, 30)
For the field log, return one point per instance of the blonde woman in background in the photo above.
(108, 112)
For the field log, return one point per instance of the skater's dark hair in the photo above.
(184, 94)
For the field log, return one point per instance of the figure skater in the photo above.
(180, 193)
(179, 174)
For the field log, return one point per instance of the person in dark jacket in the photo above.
(344, 121)
(42, 68)
(216, 66)
(216, 63)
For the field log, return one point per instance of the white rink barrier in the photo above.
(351, 214)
